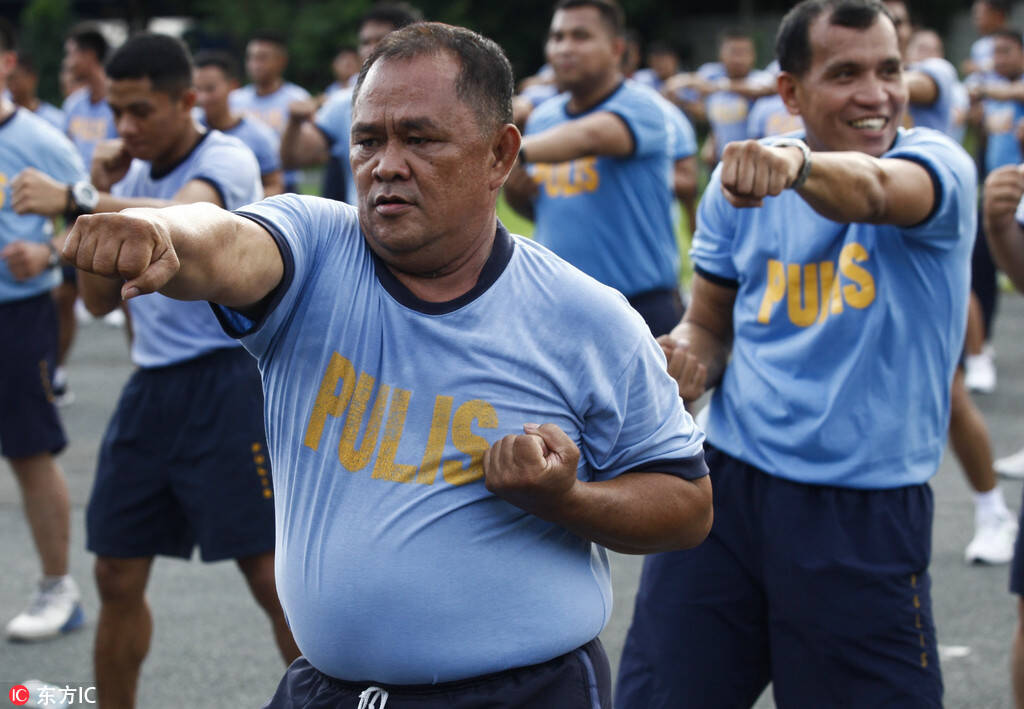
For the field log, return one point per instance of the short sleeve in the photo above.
(711, 251)
(641, 425)
(643, 117)
(941, 72)
(686, 138)
(232, 170)
(955, 184)
(301, 226)
(334, 119)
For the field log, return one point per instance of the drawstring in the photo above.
(369, 696)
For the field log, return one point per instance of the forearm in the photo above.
(711, 349)
(1006, 240)
(223, 258)
(110, 203)
(854, 187)
(640, 513)
(303, 145)
(596, 134)
(921, 88)
(1013, 91)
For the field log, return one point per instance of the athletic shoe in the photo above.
(62, 395)
(53, 610)
(1011, 466)
(980, 374)
(993, 541)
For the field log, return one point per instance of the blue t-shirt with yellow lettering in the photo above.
(168, 331)
(87, 123)
(394, 563)
(26, 140)
(846, 336)
(611, 217)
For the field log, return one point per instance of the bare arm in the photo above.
(273, 183)
(998, 91)
(1003, 191)
(684, 179)
(302, 143)
(842, 186)
(697, 350)
(921, 88)
(520, 191)
(634, 513)
(188, 252)
(601, 133)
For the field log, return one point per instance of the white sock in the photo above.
(990, 505)
(50, 582)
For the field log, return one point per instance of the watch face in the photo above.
(85, 195)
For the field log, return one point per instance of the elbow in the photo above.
(700, 515)
(875, 193)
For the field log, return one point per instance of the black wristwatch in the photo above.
(82, 198)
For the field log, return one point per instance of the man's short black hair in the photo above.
(1011, 33)
(87, 37)
(225, 61)
(484, 82)
(271, 37)
(734, 33)
(8, 37)
(610, 11)
(162, 59)
(1003, 6)
(793, 41)
(396, 14)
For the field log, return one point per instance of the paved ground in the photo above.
(211, 646)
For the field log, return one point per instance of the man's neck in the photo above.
(585, 99)
(222, 120)
(269, 87)
(182, 147)
(455, 278)
(7, 107)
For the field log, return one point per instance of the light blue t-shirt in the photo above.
(846, 336)
(87, 123)
(1001, 119)
(168, 331)
(259, 139)
(26, 140)
(272, 110)
(51, 114)
(609, 216)
(394, 563)
(769, 116)
(937, 115)
(334, 119)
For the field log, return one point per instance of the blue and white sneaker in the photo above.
(55, 608)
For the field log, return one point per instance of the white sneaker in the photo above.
(51, 611)
(980, 372)
(993, 541)
(1011, 466)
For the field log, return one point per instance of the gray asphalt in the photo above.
(212, 647)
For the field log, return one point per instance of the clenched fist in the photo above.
(752, 171)
(684, 367)
(134, 245)
(535, 471)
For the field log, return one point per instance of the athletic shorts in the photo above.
(823, 591)
(580, 679)
(661, 309)
(29, 423)
(184, 462)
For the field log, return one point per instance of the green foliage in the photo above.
(38, 37)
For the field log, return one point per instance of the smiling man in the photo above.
(456, 417)
(829, 306)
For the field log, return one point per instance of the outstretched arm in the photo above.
(634, 513)
(842, 186)
(190, 252)
(600, 133)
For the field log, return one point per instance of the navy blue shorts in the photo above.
(580, 679)
(29, 424)
(661, 309)
(184, 462)
(823, 591)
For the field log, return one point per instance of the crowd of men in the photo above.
(838, 317)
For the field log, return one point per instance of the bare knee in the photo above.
(121, 580)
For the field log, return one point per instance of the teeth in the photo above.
(869, 123)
